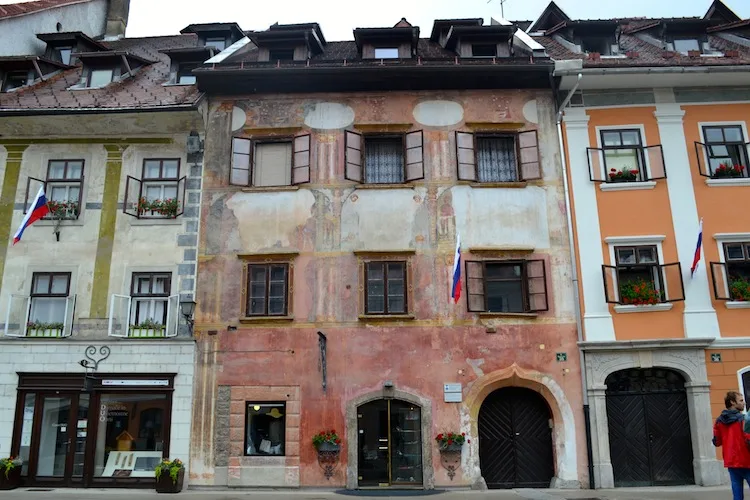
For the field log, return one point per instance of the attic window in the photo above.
(100, 77)
(386, 52)
(599, 45)
(219, 43)
(683, 45)
(281, 55)
(14, 80)
(185, 74)
(64, 54)
(483, 50)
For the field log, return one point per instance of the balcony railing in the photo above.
(121, 313)
(664, 284)
(20, 323)
(625, 164)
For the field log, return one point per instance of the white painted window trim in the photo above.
(88, 165)
(722, 238)
(742, 181)
(740, 384)
(625, 186)
(657, 239)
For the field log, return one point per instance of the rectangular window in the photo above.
(386, 52)
(150, 296)
(281, 55)
(160, 187)
(218, 43)
(49, 293)
(14, 80)
(385, 288)
(683, 45)
(384, 160)
(268, 162)
(185, 74)
(64, 188)
(506, 286)
(498, 157)
(726, 150)
(600, 45)
(64, 54)
(623, 155)
(638, 274)
(265, 429)
(737, 257)
(100, 77)
(267, 289)
(484, 50)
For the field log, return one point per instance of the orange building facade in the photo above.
(656, 144)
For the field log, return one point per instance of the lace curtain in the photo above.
(497, 159)
(384, 161)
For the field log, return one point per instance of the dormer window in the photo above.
(14, 80)
(185, 74)
(217, 43)
(599, 45)
(386, 52)
(684, 45)
(99, 77)
(483, 50)
(64, 54)
(281, 55)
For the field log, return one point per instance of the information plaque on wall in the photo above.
(452, 393)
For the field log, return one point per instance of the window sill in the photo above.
(63, 223)
(638, 309)
(519, 184)
(266, 319)
(741, 181)
(269, 189)
(627, 186)
(507, 315)
(385, 186)
(386, 317)
(156, 222)
(738, 304)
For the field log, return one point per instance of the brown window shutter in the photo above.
(242, 162)
(466, 159)
(611, 284)
(245, 292)
(353, 146)
(301, 160)
(530, 162)
(475, 286)
(414, 148)
(719, 276)
(536, 285)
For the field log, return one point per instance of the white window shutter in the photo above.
(119, 316)
(17, 315)
(173, 315)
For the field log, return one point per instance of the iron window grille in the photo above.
(483, 157)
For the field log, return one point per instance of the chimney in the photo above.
(117, 19)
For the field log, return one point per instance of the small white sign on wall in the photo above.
(452, 393)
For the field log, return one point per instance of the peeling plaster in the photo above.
(475, 364)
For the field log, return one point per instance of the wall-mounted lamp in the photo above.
(187, 308)
(194, 143)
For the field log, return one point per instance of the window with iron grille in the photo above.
(385, 287)
(267, 289)
(506, 286)
(150, 296)
(49, 294)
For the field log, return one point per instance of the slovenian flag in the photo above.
(37, 210)
(456, 282)
(697, 256)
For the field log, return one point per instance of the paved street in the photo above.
(678, 493)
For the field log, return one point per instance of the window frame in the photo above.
(50, 274)
(180, 184)
(283, 52)
(721, 283)
(684, 39)
(498, 135)
(384, 136)
(742, 145)
(385, 263)
(473, 164)
(525, 302)
(301, 158)
(211, 40)
(412, 156)
(65, 182)
(90, 76)
(525, 282)
(181, 72)
(8, 76)
(247, 297)
(248, 404)
(59, 52)
(642, 167)
(138, 297)
(484, 45)
(376, 49)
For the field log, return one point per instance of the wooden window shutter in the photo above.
(414, 163)
(466, 159)
(353, 147)
(475, 286)
(242, 162)
(245, 293)
(301, 160)
(536, 285)
(530, 162)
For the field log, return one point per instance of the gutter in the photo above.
(96, 111)
(576, 292)
(654, 70)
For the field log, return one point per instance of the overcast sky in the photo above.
(338, 17)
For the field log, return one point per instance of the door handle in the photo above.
(518, 433)
(651, 438)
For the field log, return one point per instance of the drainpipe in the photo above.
(576, 293)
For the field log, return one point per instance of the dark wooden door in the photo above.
(649, 428)
(515, 440)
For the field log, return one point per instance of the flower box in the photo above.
(44, 332)
(165, 483)
(739, 289)
(63, 210)
(158, 208)
(328, 447)
(727, 171)
(624, 175)
(147, 332)
(453, 447)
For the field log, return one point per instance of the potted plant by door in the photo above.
(10, 473)
(450, 445)
(170, 476)
(328, 446)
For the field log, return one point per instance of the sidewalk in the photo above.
(674, 493)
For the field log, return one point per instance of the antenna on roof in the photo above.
(502, 10)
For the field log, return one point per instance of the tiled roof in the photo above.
(20, 9)
(145, 90)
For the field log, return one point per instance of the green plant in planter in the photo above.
(172, 468)
(8, 464)
(640, 293)
(739, 289)
(624, 175)
(450, 439)
(727, 170)
(326, 437)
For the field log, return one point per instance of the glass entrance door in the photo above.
(389, 444)
(54, 436)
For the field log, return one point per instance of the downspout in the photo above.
(576, 292)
